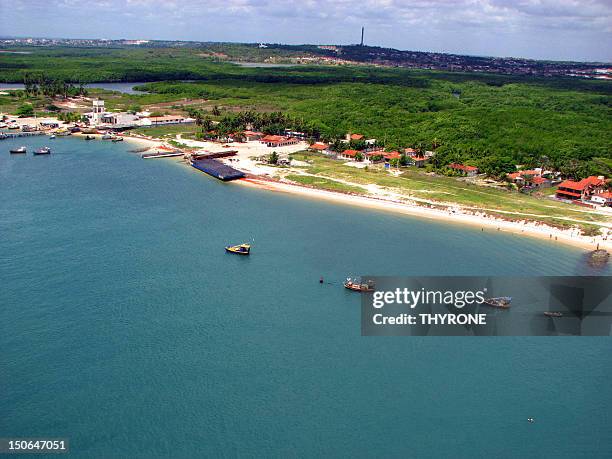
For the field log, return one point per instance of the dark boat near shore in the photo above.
(89, 137)
(43, 151)
(356, 286)
(502, 302)
(20, 150)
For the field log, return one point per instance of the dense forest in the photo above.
(492, 127)
(491, 121)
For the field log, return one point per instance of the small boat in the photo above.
(553, 314)
(241, 249)
(107, 137)
(359, 286)
(13, 126)
(20, 150)
(117, 139)
(89, 137)
(43, 151)
(502, 302)
(52, 136)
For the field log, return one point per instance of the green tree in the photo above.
(25, 110)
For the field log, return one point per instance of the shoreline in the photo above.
(523, 228)
(257, 179)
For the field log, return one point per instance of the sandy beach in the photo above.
(481, 220)
(266, 177)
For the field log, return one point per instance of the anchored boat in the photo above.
(502, 302)
(20, 150)
(357, 286)
(553, 314)
(43, 151)
(242, 249)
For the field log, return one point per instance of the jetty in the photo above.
(161, 154)
(213, 154)
(217, 169)
(14, 135)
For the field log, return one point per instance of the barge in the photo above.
(217, 169)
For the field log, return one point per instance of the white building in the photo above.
(98, 112)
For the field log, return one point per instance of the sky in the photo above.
(540, 29)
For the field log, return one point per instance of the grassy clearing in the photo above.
(447, 190)
(324, 183)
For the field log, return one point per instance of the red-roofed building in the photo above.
(603, 199)
(278, 141)
(253, 135)
(524, 176)
(374, 155)
(318, 146)
(419, 161)
(470, 171)
(539, 182)
(348, 154)
(583, 189)
(392, 155)
(355, 137)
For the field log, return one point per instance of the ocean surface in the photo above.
(126, 328)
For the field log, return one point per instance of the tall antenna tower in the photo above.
(362, 35)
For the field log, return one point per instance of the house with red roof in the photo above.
(418, 161)
(278, 141)
(539, 182)
(520, 177)
(583, 189)
(469, 171)
(603, 199)
(392, 155)
(375, 155)
(350, 137)
(252, 135)
(318, 146)
(348, 154)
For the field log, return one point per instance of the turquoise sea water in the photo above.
(126, 328)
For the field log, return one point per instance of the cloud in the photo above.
(502, 26)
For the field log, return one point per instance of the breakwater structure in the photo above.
(213, 154)
(162, 154)
(14, 135)
(217, 169)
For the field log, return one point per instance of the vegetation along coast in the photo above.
(504, 152)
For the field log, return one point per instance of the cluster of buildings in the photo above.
(532, 178)
(371, 153)
(590, 190)
(101, 118)
(468, 171)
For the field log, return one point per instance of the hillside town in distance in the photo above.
(351, 55)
